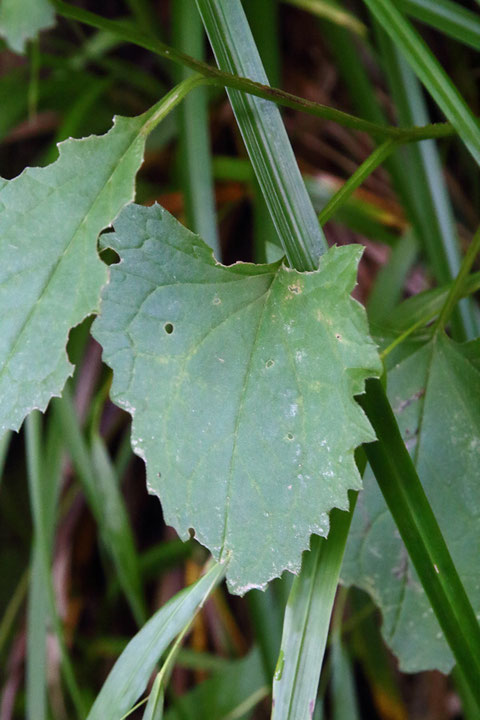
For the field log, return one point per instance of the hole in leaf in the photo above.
(289, 436)
(168, 327)
(269, 363)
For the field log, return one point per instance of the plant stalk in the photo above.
(225, 79)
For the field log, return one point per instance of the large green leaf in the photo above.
(21, 20)
(435, 394)
(50, 272)
(240, 380)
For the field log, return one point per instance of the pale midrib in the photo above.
(245, 385)
(62, 256)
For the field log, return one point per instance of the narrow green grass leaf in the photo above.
(433, 383)
(264, 135)
(420, 309)
(213, 344)
(264, 22)
(357, 214)
(42, 530)
(132, 671)
(49, 222)
(378, 156)
(390, 280)
(36, 657)
(344, 695)
(306, 623)
(7, 622)
(331, 10)
(430, 206)
(38, 596)
(21, 20)
(103, 494)
(194, 148)
(448, 17)
(429, 71)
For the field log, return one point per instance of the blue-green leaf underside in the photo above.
(435, 394)
(240, 381)
(50, 272)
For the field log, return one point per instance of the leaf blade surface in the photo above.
(51, 275)
(240, 380)
(434, 392)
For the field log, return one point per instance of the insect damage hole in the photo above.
(270, 363)
(168, 327)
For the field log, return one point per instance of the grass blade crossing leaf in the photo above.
(265, 136)
(21, 20)
(50, 272)
(213, 344)
(132, 671)
(430, 391)
(307, 619)
(427, 390)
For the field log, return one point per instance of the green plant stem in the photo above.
(34, 464)
(354, 181)
(456, 290)
(225, 79)
(413, 515)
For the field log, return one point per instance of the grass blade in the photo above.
(390, 280)
(432, 211)
(194, 155)
(100, 485)
(306, 623)
(378, 156)
(41, 530)
(265, 137)
(411, 510)
(329, 10)
(448, 17)
(344, 696)
(131, 672)
(38, 601)
(429, 71)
